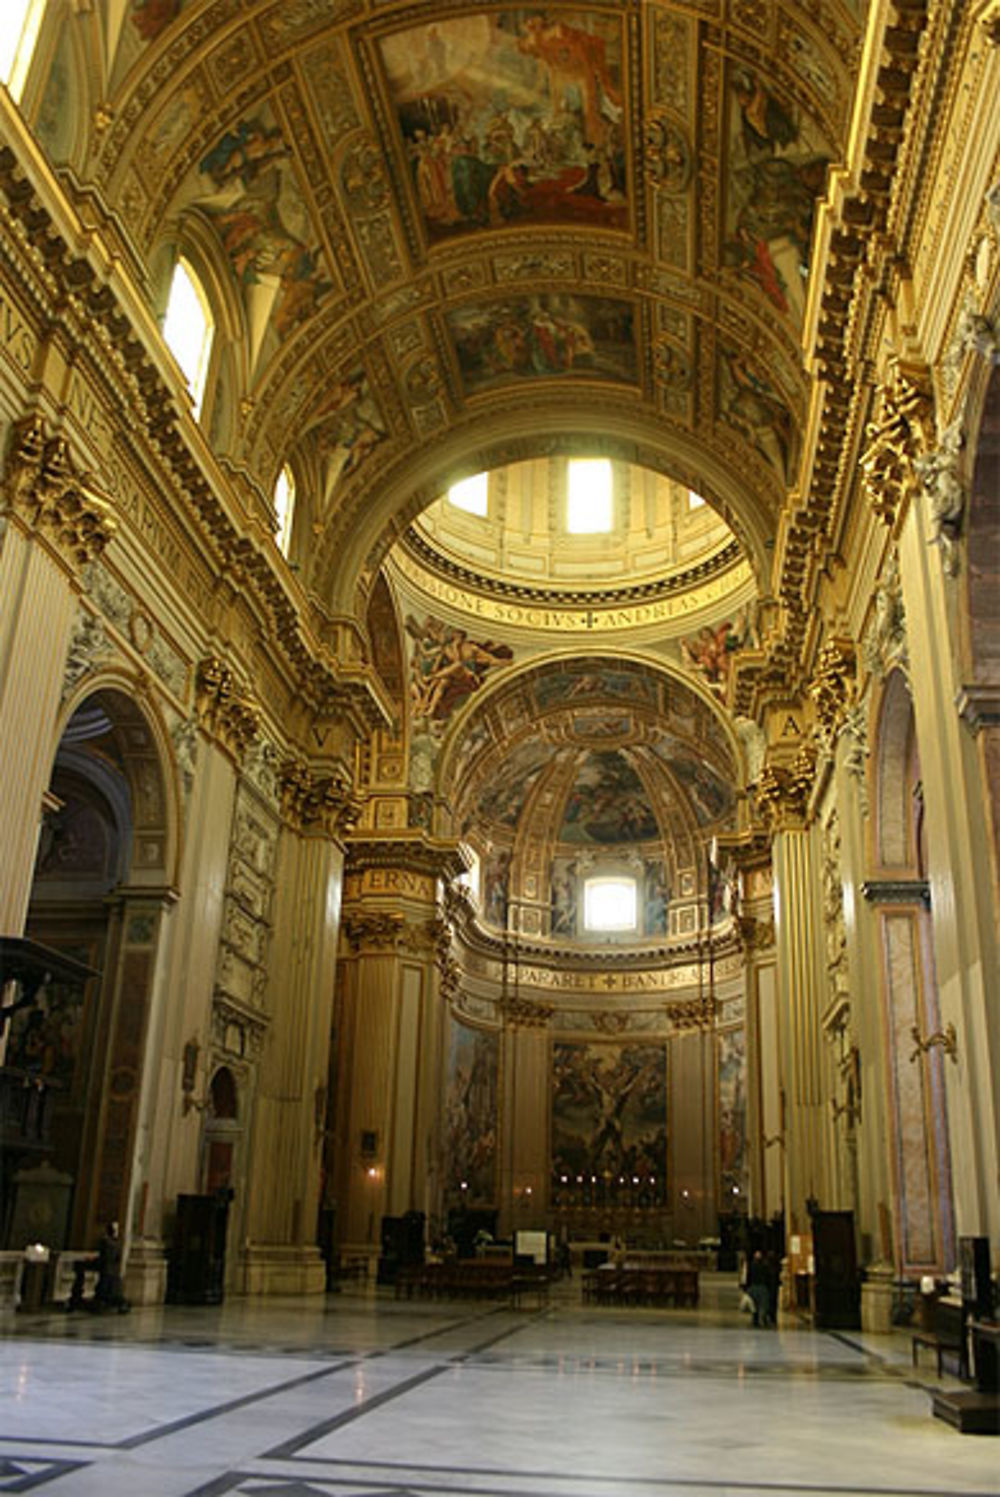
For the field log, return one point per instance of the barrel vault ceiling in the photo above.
(449, 236)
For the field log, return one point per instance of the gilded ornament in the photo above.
(667, 153)
(45, 489)
(833, 684)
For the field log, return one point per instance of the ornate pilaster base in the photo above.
(283, 1270)
(876, 1298)
(146, 1273)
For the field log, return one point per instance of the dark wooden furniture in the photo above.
(641, 1284)
(946, 1338)
(196, 1270)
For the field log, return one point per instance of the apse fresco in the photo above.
(470, 1142)
(578, 681)
(563, 897)
(512, 118)
(504, 796)
(707, 792)
(609, 1114)
(732, 1116)
(446, 666)
(495, 887)
(655, 897)
(776, 171)
(608, 803)
(247, 188)
(539, 337)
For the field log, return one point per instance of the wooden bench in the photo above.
(946, 1338)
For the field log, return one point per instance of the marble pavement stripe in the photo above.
(328, 1426)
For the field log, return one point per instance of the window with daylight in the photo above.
(284, 507)
(695, 501)
(188, 327)
(471, 494)
(609, 904)
(589, 496)
(18, 35)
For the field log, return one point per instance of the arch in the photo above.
(223, 1096)
(149, 770)
(368, 522)
(897, 824)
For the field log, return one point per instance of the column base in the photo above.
(146, 1273)
(278, 1269)
(876, 1298)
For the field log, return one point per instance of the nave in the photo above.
(361, 1395)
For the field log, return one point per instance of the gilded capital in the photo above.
(378, 930)
(231, 717)
(308, 802)
(832, 686)
(53, 498)
(902, 433)
(783, 791)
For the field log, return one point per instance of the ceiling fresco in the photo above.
(476, 233)
(512, 117)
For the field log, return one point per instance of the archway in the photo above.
(923, 1227)
(102, 871)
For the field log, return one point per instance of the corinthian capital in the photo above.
(902, 433)
(832, 686)
(44, 488)
(230, 716)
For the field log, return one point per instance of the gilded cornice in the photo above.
(109, 309)
(229, 715)
(46, 492)
(855, 251)
(523, 1013)
(412, 852)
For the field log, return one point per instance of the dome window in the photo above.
(471, 494)
(589, 496)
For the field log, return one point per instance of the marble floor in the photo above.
(360, 1395)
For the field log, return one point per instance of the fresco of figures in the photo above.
(505, 794)
(446, 666)
(609, 1115)
(732, 1116)
(750, 404)
(777, 170)
(580, 680)
(513, 117)
(537, 337)
(655, 897)
(607, 803)
(249, 191)
(343, 429)
(563, 897)
(709, 653)
(470, 1130)
(496, 887)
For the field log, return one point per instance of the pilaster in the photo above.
(53, 523)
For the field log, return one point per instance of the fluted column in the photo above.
(798, 930)
(525, 1084)
(388, 1036)
(52, 524)
(290, 1111)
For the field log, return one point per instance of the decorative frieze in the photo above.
(45, 489)
(88, 645)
